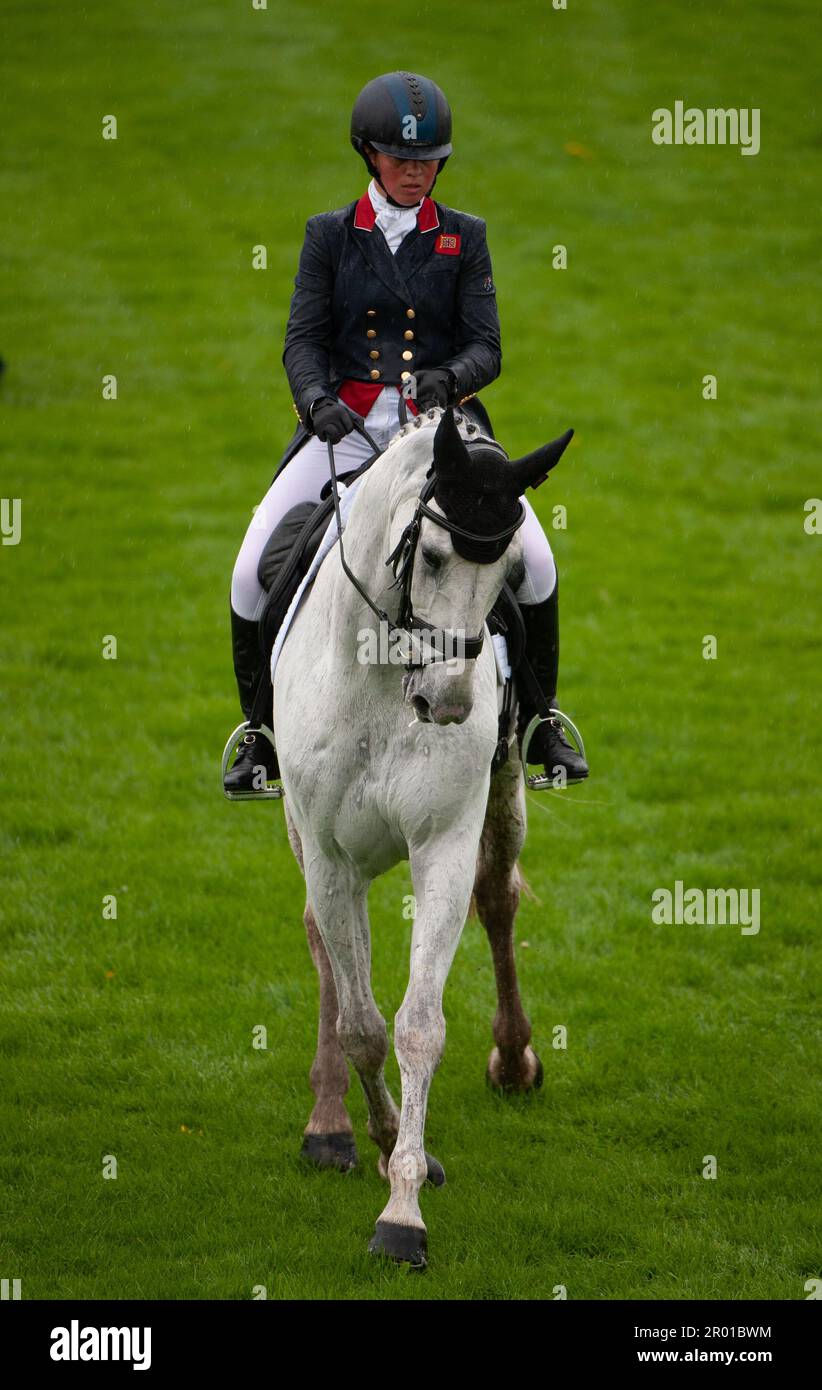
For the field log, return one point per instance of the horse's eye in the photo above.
(431, 559)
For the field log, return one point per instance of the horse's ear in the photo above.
(450, 453)
(533, 469)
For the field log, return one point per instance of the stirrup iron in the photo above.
(538, 781)
(274, 793)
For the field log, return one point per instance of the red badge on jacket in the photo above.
(448, 244)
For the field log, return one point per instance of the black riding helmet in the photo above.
(404, 115)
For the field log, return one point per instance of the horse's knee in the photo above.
(497, 894)
(419, 1035)
(363, 1037)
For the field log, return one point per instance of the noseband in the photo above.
(402, 560)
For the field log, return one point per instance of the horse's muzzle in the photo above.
(438, 698)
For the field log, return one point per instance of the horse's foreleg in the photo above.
(339, 902)
(442, 873)
(328, 1138)
(513, 1064)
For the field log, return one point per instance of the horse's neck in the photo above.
(367, 541)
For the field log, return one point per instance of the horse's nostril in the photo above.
(422, 708)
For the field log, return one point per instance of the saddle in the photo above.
(287, 557)
(284, 563)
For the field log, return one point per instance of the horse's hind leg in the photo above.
(328, 1138)
(513, 1064)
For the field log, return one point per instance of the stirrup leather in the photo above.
(238, 737)
(538, 781)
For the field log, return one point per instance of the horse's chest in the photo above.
(367, 828)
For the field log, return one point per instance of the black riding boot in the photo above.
(255, 751)
(549, 745)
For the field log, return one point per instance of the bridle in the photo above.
(445, 644)
(407, 626)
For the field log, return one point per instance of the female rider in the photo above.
(393, 292)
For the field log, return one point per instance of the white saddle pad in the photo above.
(347, 495)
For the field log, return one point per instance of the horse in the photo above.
(379, 767)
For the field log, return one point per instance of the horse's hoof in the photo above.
(405, 1244)
(330, 1151)
(496, 1079)
(435, 1173)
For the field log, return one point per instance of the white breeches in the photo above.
(305, 475)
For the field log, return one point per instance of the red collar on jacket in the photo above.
(365, 216)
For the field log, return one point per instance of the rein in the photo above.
(402, 560)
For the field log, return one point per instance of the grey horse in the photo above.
(381, 765)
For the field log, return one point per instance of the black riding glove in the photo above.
(435, 386)
(331, 420)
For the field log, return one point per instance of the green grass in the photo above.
(685, 518)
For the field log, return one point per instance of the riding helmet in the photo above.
(404, 115)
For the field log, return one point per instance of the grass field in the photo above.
(132, 1037)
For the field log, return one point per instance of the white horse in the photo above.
(380, 766)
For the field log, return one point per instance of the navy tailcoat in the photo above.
(362, 315)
